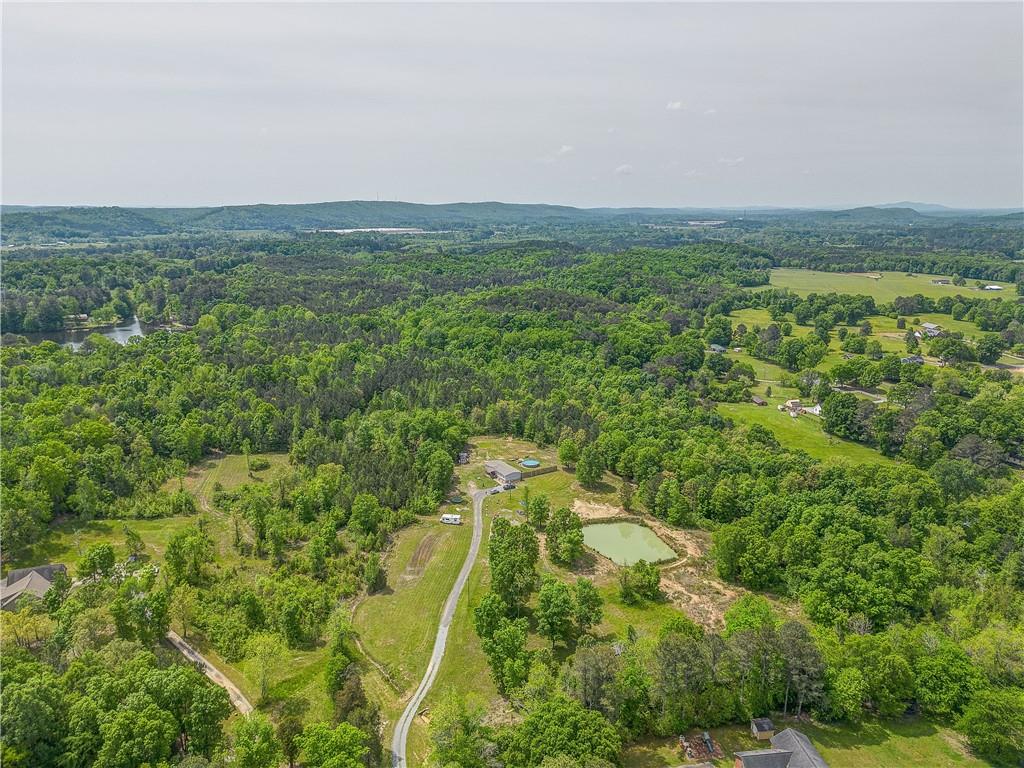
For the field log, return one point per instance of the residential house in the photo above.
(762, 758)
(34, 581)
(804, 753)
(716, 348)
(931, 329)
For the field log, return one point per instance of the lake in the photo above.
(74, 337)
(626, 543)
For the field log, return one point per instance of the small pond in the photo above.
(626, 543)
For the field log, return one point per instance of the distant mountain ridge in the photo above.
(75, 222)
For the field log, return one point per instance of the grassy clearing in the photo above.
(421, 570)
(868, 745)
(66, 541)
(229, 470)
(801, 433)
(883, 286)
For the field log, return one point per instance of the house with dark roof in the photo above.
(716, 348)
(762, 758)
(804, 753)
(758, 400)
(34, 582)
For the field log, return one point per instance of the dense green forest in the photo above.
(370, 359)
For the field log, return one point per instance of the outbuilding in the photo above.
(758, 400)
(449, 518)
(762, 729)
(502, 471)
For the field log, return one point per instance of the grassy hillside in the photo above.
(882, 286)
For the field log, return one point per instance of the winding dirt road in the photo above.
(238, 699)
(401, 735)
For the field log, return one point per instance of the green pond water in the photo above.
(626, 543)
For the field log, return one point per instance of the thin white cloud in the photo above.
(558, 154)
(731, 161)
(710, 111)
(624, 170)
(674, 106)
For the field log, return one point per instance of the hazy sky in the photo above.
(735, 104)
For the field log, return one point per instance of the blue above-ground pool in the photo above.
(530, 463)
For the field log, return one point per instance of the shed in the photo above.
(763, 758)
(761, 728)
(992, 288)
(502, 471)
(758, 400)
(804, 753)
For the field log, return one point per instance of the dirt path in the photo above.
(238, 699)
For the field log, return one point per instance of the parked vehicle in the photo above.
(451, 519)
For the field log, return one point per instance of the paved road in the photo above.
(402, 727)
(237, 697)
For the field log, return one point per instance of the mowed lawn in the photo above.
(883, 286)
(397, 626)
(803, 433)
(912, 742)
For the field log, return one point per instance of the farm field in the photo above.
(883, 286)
(871, 744)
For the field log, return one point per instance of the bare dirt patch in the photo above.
(592, 510)
(420, 558)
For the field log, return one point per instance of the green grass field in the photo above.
(868, 745)
(421, 569)
(883, 286)
(67, 540)
(801, 433)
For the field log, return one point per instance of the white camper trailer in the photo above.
(450, 519)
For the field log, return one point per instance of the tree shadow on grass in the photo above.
(868, 732)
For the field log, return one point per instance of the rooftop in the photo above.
(501, 467)
(804, 753)
(764, 758)
(32, 581)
